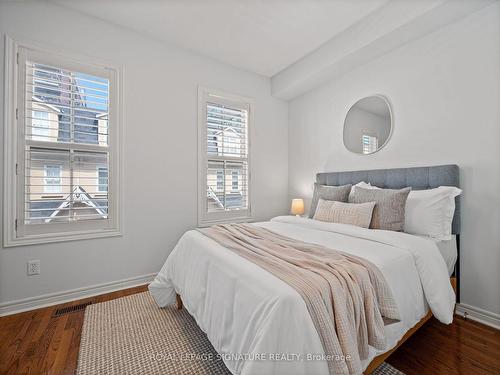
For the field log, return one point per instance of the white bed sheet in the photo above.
(448, 250)
(247, 312)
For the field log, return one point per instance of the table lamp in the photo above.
(297, 207)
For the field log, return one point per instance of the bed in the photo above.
(260, 325)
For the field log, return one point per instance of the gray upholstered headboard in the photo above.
(418, 178)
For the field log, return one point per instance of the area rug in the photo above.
(131, 335)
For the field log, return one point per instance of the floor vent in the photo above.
(70, 309)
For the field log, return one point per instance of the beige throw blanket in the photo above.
(346, 296)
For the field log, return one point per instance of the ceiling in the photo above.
(260, 36)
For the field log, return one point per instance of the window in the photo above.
(234, 180)
(224, 163)
(220, 179)
(40, 129)
(102, 179)
(66, 159)
(52, 180)
(370, 143)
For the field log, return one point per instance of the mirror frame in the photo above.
(391, 131)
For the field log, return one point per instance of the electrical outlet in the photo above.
(33, 267)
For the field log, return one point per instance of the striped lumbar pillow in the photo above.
(359, 214)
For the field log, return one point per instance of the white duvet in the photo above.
(260, 325)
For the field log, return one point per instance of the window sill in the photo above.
(60, 237)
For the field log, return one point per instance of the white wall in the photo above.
(445, 94)
(160, 150)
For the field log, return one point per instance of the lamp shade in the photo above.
(297, 207)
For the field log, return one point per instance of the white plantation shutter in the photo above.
(227, 153)
(66, 165)
(66, 129)
(224, 165)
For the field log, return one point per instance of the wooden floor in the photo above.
(464, 347)
(35, 342)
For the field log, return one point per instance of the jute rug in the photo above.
(131, 335)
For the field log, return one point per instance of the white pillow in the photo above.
(365, 185)
(362, 184)
(428, 212)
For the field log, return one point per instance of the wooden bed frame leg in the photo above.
(178, 302)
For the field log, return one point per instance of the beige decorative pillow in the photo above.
(389, 212)
(359, 214)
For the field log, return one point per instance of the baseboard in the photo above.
(479, 315)
(32, 303)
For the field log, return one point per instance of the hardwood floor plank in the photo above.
(61, 350)
(31, 362)
(44, 317)
(35, 342)
(74, 327)
(73, 350)
(13, 347)
(463, 347)
(54, 348)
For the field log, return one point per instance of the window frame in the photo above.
(240, 215)
(16, 233)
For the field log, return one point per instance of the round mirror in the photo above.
(368, 125)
